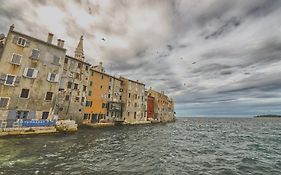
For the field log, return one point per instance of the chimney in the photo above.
(12, 27)
(59, 42)
(50, 38)
(62, 43)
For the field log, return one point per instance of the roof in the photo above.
(105, 74)
(133, 81)
(39, 40)
(67, 56)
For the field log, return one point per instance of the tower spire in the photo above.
(79, 52)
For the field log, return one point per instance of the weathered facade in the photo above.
(163, 106)
(150, 107)
(134, 101)
(73, 86)
(30, 71)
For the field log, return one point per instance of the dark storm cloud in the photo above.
(215, 57)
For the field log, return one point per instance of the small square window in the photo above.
(16, 59)
(4, 101)
(69, 85)
(90, 93)
(21, 41)
(75, 86)
(49, 96)
(65, 60)
(45, 115)
(79, 65)
(35, 54)
(66, 97)
(10, 79)
(24, 93)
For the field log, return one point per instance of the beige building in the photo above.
(73, 86)
(133, 100)
(30, 71)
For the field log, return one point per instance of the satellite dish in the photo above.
(2, 36)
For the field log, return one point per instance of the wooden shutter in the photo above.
(17, 81)
(2, 78)
(25, 71)
(35, 72)
(57, 78)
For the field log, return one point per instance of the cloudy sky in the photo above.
(215, 57)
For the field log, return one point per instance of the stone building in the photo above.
(30, 71)
(134, 101)
(103, 98)
(73, 86)
(163, 106)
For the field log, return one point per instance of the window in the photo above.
(45, 115)
(84, 88)
(30, 73)
(35, 54)
(110, 79)
(22, 114)
(24, 93)
(79, 65)
(82, 99)
(108, 95)
(91, 83)
(101, 86)
(136, 105)
(53, 77)
(102, 76)
(66, 97)
(69, 85)
(75, 86)
(4, 101)
(16, 59)
(10, 80)
(92, 73)
(77, 75)
(90, 93)
(120, 97)
(49, 96)
(109, 87)
(129, 95)
(65, 60)
(88, 103)
(128, 113)
(135, 115)
(86, 116)
(86, 67)
(21, 41)
(56, 60)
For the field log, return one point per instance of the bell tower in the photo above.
(79, 52)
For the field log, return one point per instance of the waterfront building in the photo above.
(103, 97)
(30, 71)
(134, 101)
(73, 86)
(163, 106)
(150, 106)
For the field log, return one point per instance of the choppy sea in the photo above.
(199, 146)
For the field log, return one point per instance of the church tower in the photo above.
(79, 52)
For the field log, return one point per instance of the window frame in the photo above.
(14, 62)
(6, 107)
(28, 95)
(23, 39)
(32, 53)
(46, 96)
(6, 78)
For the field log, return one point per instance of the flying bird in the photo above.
(194, 63)
(103, 39)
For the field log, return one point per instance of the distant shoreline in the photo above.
(268, 116)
